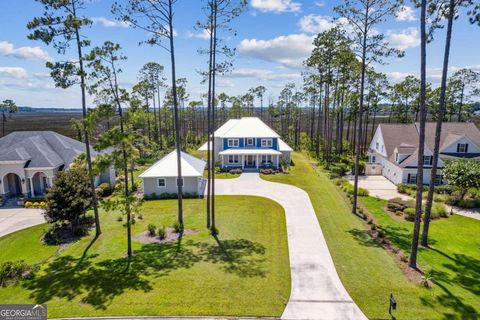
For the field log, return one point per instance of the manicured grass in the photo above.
(223, 175)
(453, 261)
(243, 273)
(368, 271)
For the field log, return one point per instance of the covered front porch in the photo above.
(250, 158)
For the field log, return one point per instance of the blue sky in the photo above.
(273, 38)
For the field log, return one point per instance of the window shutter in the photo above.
(466, 147)
(458, 147)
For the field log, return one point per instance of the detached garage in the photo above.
(161, 178)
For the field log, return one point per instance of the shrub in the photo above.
(151, 229)
(28, 204)
(120, 218)
(235, 171)
(440, 197)
(162, 233)
(99, 192)
(333, 175)
(404, 258)
(362, 192)
(12, 271)
(394, 206)
(339, 169)
(267, 171)
(405, 188)
(438, 210)
(177, 227)
(409, 214)
(467, 203)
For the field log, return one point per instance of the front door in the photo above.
(250, 161)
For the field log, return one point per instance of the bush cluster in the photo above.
(37, 205)
(104, 189)
(235, 171)
(268, 171)
(11, 271)
(166, 195)
(347, 187)
(407, 208)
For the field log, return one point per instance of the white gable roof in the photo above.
(167, 166)
(248, 127)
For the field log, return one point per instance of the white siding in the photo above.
(150, 185)
(472, 148)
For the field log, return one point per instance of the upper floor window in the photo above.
(267, 143)
(233, 143)
(250, 141)
(376, 146)
(372, 159)
(396, 157)
(427, 160)
(462, 147)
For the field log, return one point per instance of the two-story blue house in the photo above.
(248, 143)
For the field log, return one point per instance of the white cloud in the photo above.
(320, 4)
(405, 39)
(262, 74)
(109, 23)
(276, 6)
(29, 53)
(315, 24)
(225, 83)
(405, 13)
(398, 76)
(204, 35)
(289, 51)
(15, 72)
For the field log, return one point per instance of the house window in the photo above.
(233, 143)
(250, 142)
(396, 156)
(462, 147)
(376, 146)
(373, 159)
(438, 179)
(412, 178)
(233, 159)
(267, 143)
(162, 183)
(382, 147)
(266, 158)
(427, 160)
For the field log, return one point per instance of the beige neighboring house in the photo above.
(161, 177)
(29, 161)
(248, 143)
(393, 151)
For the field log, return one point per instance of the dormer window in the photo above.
(233, 143)
(250, 141)
(462, 147)
(427, 160)
(267, 143)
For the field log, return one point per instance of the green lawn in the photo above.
(454, 260)
(245, 273)
(369, 272)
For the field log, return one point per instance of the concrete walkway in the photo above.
(382, 188)
(12, 220)
(316, 289)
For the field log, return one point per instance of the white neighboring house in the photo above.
(248, 143)
(161, 177)
(29, 161)
(393, 151)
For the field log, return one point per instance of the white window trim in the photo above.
(429, 160)
(267, 143)
(233, 143)
(462, 146)
(250, 139)
(164, 182)
(235, 159)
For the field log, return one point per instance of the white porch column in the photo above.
(256, 160)
(222, 161)
(2, 189)
(31, 187)
(278, 160)
(243, 161)
(50, 182)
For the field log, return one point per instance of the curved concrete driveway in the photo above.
(15, 219)
(317, 292)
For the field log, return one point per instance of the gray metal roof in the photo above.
(40, 148)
